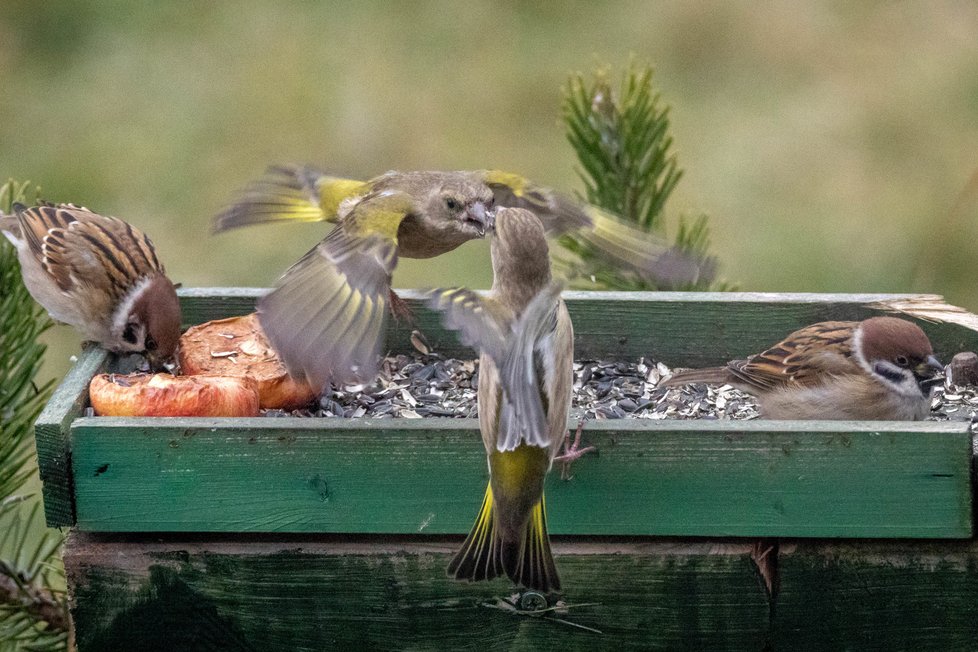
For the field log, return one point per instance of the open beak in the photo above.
(929, 373)
(477, 214)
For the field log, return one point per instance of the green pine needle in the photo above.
(33, 612)
(627, 166)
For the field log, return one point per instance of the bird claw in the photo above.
(401, 310)
(572, 451)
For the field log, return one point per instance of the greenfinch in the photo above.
(526, 340)
(326, 315)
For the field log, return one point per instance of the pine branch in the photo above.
(627, 166)
(33, 610)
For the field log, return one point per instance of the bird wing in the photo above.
(78, 247)
(527, 371)
(326, 316)
(480, 323)
(621, 243)
(521, 353)
(803, 358)
(289, 193)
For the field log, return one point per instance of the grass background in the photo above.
(833, 143)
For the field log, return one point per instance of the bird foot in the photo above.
(572, 451)
(400, 309)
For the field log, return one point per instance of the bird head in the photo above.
(152, 325)
(520, 255)
(899, 353)
(468, 207)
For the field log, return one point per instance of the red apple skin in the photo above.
(238, 347)
(163, 395)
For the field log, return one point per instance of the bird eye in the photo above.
(150, 344)
(451, 202)
(902, 360)
(129, 334)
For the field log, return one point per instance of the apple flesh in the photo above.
(163, 395)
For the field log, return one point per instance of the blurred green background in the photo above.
(833, 143)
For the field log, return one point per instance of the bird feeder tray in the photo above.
(328, 532)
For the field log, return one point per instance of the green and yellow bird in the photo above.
(526, 340)
(326, 316)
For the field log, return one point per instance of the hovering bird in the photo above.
(98, 274)
(326, 316)
(526, 340)
(882, 368)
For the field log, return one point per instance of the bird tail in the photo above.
(528, 561)
(713, 375)
(288, 193)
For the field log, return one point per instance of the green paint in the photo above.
(684, 478)
(679, 328)
(878, 595)
(145, 458)
(52, 437)
(316, 595)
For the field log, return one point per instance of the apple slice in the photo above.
(163, 395)
(238, 347)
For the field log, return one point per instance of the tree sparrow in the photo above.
(526, 340)
(98, 274)
(327, 314)
(882, 368)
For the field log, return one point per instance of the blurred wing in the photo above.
(804, 357)
(623, 244)
(527, 368)
(288, 193)
(617, 241)
(558, 214)
(326, 317)
(478, 321)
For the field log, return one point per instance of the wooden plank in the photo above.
(685, 478)
(678, 328)
(877, 596)
(317, 594)
(204, 304)
(52, 439)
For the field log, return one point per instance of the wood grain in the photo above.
(316, 594)
(53, 440)
(878, 596)
(678, 328)
(692, 478)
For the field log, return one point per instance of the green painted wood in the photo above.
(52, 439)
(678, 328)
(324, 594)
(685, 478)
(877, 596)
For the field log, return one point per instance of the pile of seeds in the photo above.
(428, 385)
(954, 403)
(431, 386)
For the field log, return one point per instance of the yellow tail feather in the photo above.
(485, 555)
(289, 194)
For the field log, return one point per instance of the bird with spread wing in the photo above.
(326, 315)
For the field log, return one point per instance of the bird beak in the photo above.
(477, 213)
(929, 373)
(158, 363)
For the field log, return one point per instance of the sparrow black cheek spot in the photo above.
(129, 335)
(893, 375)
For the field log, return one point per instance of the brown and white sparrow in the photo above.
(882, 368)
(526, 340)
(326, 316)
(98, 274)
